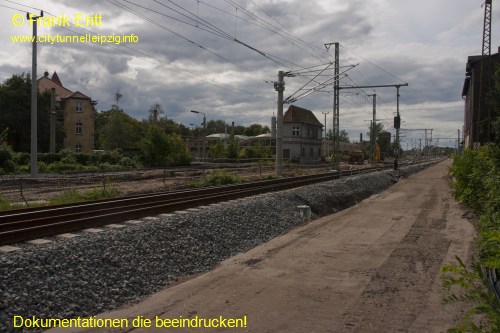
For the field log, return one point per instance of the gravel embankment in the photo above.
(93, 273)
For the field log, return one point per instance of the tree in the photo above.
(216, 126)
(15, 106)
(159, 149)
(118, 130)
(217, 150)
(343, 136)
(256, 129)
(159, 112)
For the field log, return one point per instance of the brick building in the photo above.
(479, 113)
(77, 113)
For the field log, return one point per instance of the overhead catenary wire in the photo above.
(193, 19)
(153, 60)
(295, 97)
(245, 69)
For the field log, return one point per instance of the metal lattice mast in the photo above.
(487, 29)
(485, 73)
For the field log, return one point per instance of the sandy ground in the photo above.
(371, 268)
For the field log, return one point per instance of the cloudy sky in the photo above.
(221, 57)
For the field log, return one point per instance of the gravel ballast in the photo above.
(92, 273)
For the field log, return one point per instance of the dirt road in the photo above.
(371, 268)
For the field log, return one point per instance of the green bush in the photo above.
(63, 166)
(471, 283)
(49, 158)
(471, 173)
(22, 158)
(7, 164)
(217, 178)
(476, 181)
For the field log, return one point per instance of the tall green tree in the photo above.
(117, 130)
(160, 149)
(216, 126)
(343, 136)
(256, 129)
(15, 115)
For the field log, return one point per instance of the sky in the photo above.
(221, 57)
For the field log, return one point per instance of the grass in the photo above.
(216, 178)
(68, 197)
(74, 196)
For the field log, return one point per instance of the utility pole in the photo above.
(458, 143)
(397, 125)
(324, 142)
(336, 102)
(374, 125)
(53, 120)
(34, 91)
(280, 88)
(336, 106)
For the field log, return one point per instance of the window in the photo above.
(78, 148)
(79, 128)
(79, 107)
(296, 131)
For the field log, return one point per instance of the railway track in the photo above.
(30, 223)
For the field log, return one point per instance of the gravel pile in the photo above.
(90, 274)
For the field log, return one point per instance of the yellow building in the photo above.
(77, 111)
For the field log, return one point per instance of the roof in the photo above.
(45, 83)
(295, 114)
(224, 136)
(56, 79)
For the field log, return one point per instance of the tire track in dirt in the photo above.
(401, 285)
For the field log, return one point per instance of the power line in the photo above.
(159, 62)
(377, 66)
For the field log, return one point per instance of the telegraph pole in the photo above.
(324, 142)
(53, 120)
(34, 91)
(397, 125)
(374, 125)
(336, 102)
(336, 109)
(280, 88)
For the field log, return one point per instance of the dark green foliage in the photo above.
(217, 178)
(471, 284)
(256, 152)
(7, 164)
(217, 150)
(117, 130)
(476, 182)
(476, 176)
(160, 149)
(15, 106)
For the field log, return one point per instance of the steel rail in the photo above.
(24, 224)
